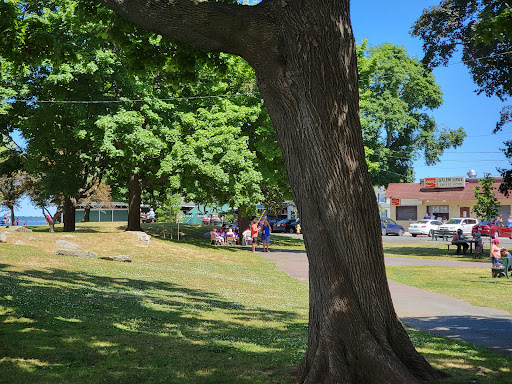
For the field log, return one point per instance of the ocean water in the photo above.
(31, 220)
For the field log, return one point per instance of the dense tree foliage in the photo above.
(482, 31)
(396, 93)
(97, 97)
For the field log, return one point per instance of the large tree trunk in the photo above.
(310, 88)
(87, 214)
(69, 214)
(243, 221)
(303, 52)
(134, 199)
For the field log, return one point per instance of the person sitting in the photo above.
(505, 253)
(230, 236)
(246, 237)
(496, 254)
(460, 240)
(215, 238)
(479, 245)
(151, 216)
(222, 233)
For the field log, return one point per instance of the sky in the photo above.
(390, 21)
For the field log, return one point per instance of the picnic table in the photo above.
(470, 242)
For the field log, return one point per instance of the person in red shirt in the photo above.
(254, 234)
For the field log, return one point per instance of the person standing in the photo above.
(254, 234)
(509, 222)
(495, 253)
(266, 235)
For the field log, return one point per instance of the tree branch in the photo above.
(211, 26)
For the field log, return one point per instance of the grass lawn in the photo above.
(435, 250)
(181, 312)
(474, 285)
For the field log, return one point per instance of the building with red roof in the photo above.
(441, 197)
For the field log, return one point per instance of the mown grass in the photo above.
(434, 250)
(181, 312)
(474, 285)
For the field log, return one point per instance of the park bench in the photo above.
(507, 266)
(444, 234)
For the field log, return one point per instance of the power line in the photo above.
(35, 101)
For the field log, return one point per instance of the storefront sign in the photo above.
(395, 201)
(444, 182)
(410, 202)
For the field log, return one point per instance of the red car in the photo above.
(495, 229)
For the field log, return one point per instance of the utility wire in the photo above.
(206, 96)
(35, 101)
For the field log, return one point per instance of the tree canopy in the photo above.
(396, 93)
(482, 31)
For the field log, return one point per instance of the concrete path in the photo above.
(438, 314)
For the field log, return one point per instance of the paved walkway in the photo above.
(438, 314)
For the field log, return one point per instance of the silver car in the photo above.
(464, 223)
(424, 227)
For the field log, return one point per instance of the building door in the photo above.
(464, 211)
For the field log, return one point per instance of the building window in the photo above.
(407, 213)
(381, 197)
(440, 212)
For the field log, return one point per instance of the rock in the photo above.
(3, 237)
(69, 236)
(122, 258)
(31, 238)
(207, 235)
(67, 244)
(19, 242)
(76, 253)
(144, 238)
(21, 229)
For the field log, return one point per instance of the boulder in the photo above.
(19, 242)
(144, 238)
(21, 229)
(76, 253)
(31, 238)
(121, 258)
(68, 236)
(3, 237)
(67, 244)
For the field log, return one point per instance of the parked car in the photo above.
(464, 223)
(494, 229)
(388, 227)
(293, 226)
(424, 227)
(272, 220)
(280, 226)
(286, 225)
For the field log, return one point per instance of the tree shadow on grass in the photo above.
(416, 250)
(466, 364)
(62, 326)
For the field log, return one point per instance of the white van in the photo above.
(464, 223)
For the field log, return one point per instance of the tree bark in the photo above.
(134, 200)
(243, 222)
(87, 214)
(69, 214)
(303, 52)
